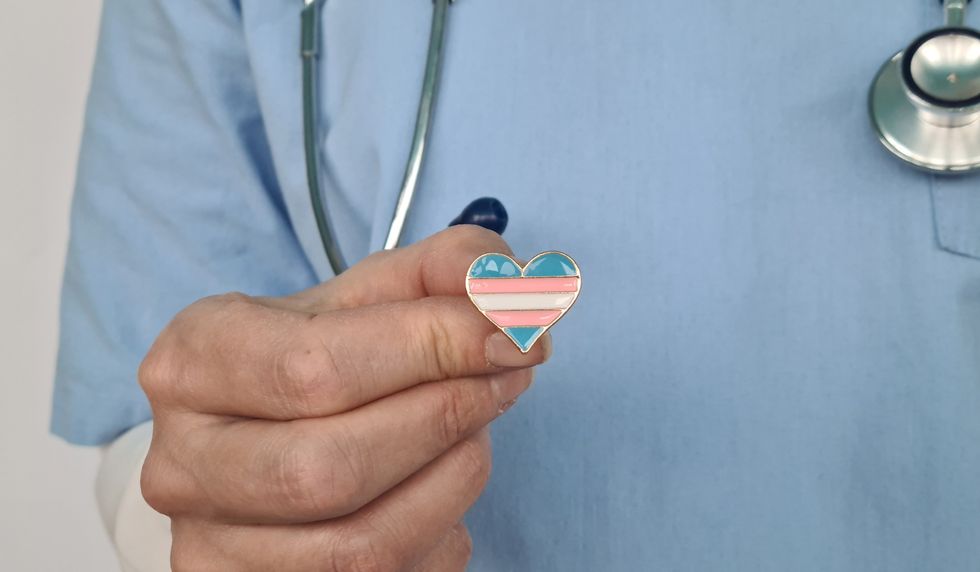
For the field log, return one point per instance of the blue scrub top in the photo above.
(775, 361)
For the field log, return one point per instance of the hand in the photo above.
(342, 428)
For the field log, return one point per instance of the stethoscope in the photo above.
(925, 101)
(924, 105)
(486, 212)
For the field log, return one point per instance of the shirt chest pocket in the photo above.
(956, 209)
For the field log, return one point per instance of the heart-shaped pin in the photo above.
(524, 302)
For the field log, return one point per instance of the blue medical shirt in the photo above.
(775, 360)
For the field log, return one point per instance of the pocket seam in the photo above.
(948, 236)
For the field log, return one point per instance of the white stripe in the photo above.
(545, 301)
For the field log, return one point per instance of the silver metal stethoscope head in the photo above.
(925, 101)
(947, 66)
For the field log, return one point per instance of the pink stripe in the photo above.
(517, 318)
(523, 285)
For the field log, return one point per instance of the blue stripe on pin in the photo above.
(524, 336)
(551, 264)
(494, 266)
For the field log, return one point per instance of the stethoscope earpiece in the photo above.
(925, 101)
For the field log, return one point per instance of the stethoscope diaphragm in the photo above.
(925, 101)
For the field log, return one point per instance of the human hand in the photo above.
(342, 428)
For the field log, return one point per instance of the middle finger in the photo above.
(316, 469)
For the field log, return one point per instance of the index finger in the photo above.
(435, 266)
(239, 357)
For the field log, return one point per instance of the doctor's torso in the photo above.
(775, 360)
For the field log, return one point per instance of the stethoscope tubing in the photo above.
(954, 16)
(309, 50)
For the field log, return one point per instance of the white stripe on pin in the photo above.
(545, 301)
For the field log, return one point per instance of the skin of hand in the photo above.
(340, 429)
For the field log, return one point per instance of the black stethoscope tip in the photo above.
(487, 212)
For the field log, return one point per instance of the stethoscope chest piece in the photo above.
(925, 101)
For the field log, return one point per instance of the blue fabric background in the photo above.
(775, 360)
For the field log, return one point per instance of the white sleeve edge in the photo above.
(140, 535)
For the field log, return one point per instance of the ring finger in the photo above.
(395, 532)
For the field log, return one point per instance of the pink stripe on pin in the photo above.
(520, 318)
(522, 285)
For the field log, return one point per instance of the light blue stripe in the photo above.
(494, 266)
(551, 264)
(524, 336)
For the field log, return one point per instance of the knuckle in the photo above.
(153, 484)
(456, 411)
(220, 307)
(299, 373)
(210, 545)
(473, 463)
(438, 346)
(321, 477)
(156, 369)
(296, 478)
(307, 372)
(163, 365)
(184, 552)
(464, 543)
(359, 549)
(228, 303)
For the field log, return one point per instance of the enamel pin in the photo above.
(524, 302)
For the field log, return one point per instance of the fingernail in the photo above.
(546, 346)
(507, 386)
(502, 352)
